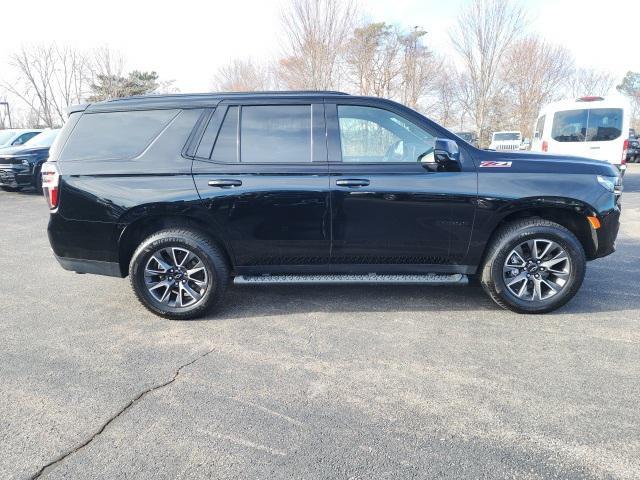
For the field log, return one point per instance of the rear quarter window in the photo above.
(115, 135)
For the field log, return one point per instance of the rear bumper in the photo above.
(84, 247)
(110, 269)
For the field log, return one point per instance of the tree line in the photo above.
(47, 78)
(500, 74)
(498, 77)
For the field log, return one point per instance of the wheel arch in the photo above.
(571, 215)
(135, 232)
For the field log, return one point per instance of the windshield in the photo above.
(5, 136)
(502, 136)
(45, 139)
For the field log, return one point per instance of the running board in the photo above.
(371, 278)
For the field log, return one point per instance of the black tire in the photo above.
(11, 189)
(514, 234)
(214, 261)
(37, 181)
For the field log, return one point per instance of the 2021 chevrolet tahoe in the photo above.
(185, 193)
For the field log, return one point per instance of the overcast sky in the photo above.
(187, 40)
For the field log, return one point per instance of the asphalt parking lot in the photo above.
(314, 382)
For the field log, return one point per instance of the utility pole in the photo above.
(6, 105)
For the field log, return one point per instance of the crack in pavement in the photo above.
(51, 465)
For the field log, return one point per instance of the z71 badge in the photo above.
(492, 164)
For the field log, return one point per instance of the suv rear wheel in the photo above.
(178, 274)
(533, 266)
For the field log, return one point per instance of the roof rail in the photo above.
(208, 94)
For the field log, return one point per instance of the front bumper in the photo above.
(605, 236)
(15, 176)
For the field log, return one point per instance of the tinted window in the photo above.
(371, 134)
(24, 138)
(225, 139)
(275, 133)
(604, 124)
(569, 126)
(539, 127)
(593, 125)
(115, 135)
(226, 148)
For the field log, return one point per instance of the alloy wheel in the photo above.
(536, 270)
(176, 277)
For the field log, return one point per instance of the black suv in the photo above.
(185, 193)
(20, 166)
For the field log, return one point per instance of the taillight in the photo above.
(51, 184)
(625, 150)
(545, 146)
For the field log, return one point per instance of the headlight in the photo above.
(609, 183)
(25, 162)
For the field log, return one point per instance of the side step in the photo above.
(371, 278)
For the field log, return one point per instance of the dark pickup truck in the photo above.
(186, 193)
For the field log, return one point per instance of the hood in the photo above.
(525, 162)
(22, 150)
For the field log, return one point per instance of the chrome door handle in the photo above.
(353, 182)
(225, 182)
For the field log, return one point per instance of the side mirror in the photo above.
(444, 157)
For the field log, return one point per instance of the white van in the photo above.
(506, 140)
(592, 127)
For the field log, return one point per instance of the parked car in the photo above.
(185, 193)
(589, 127)
(20, 166)
(14, 137)
(507, 140)
(469, 137)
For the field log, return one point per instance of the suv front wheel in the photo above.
(533, 266)
(178, 274)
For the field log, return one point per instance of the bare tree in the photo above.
(107, 68)
(372, 59)
(48, 79)
(316, 33)
(589, 81)
(447, 98)
(35, 69)
(484, 31)
(420, 68)
(534, 74)
(71, 79)
(243, 76)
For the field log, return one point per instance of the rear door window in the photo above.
(604, 124)
(115, 135)
(275, 134)
(226, 146)
(570, 126)
(225, 138)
